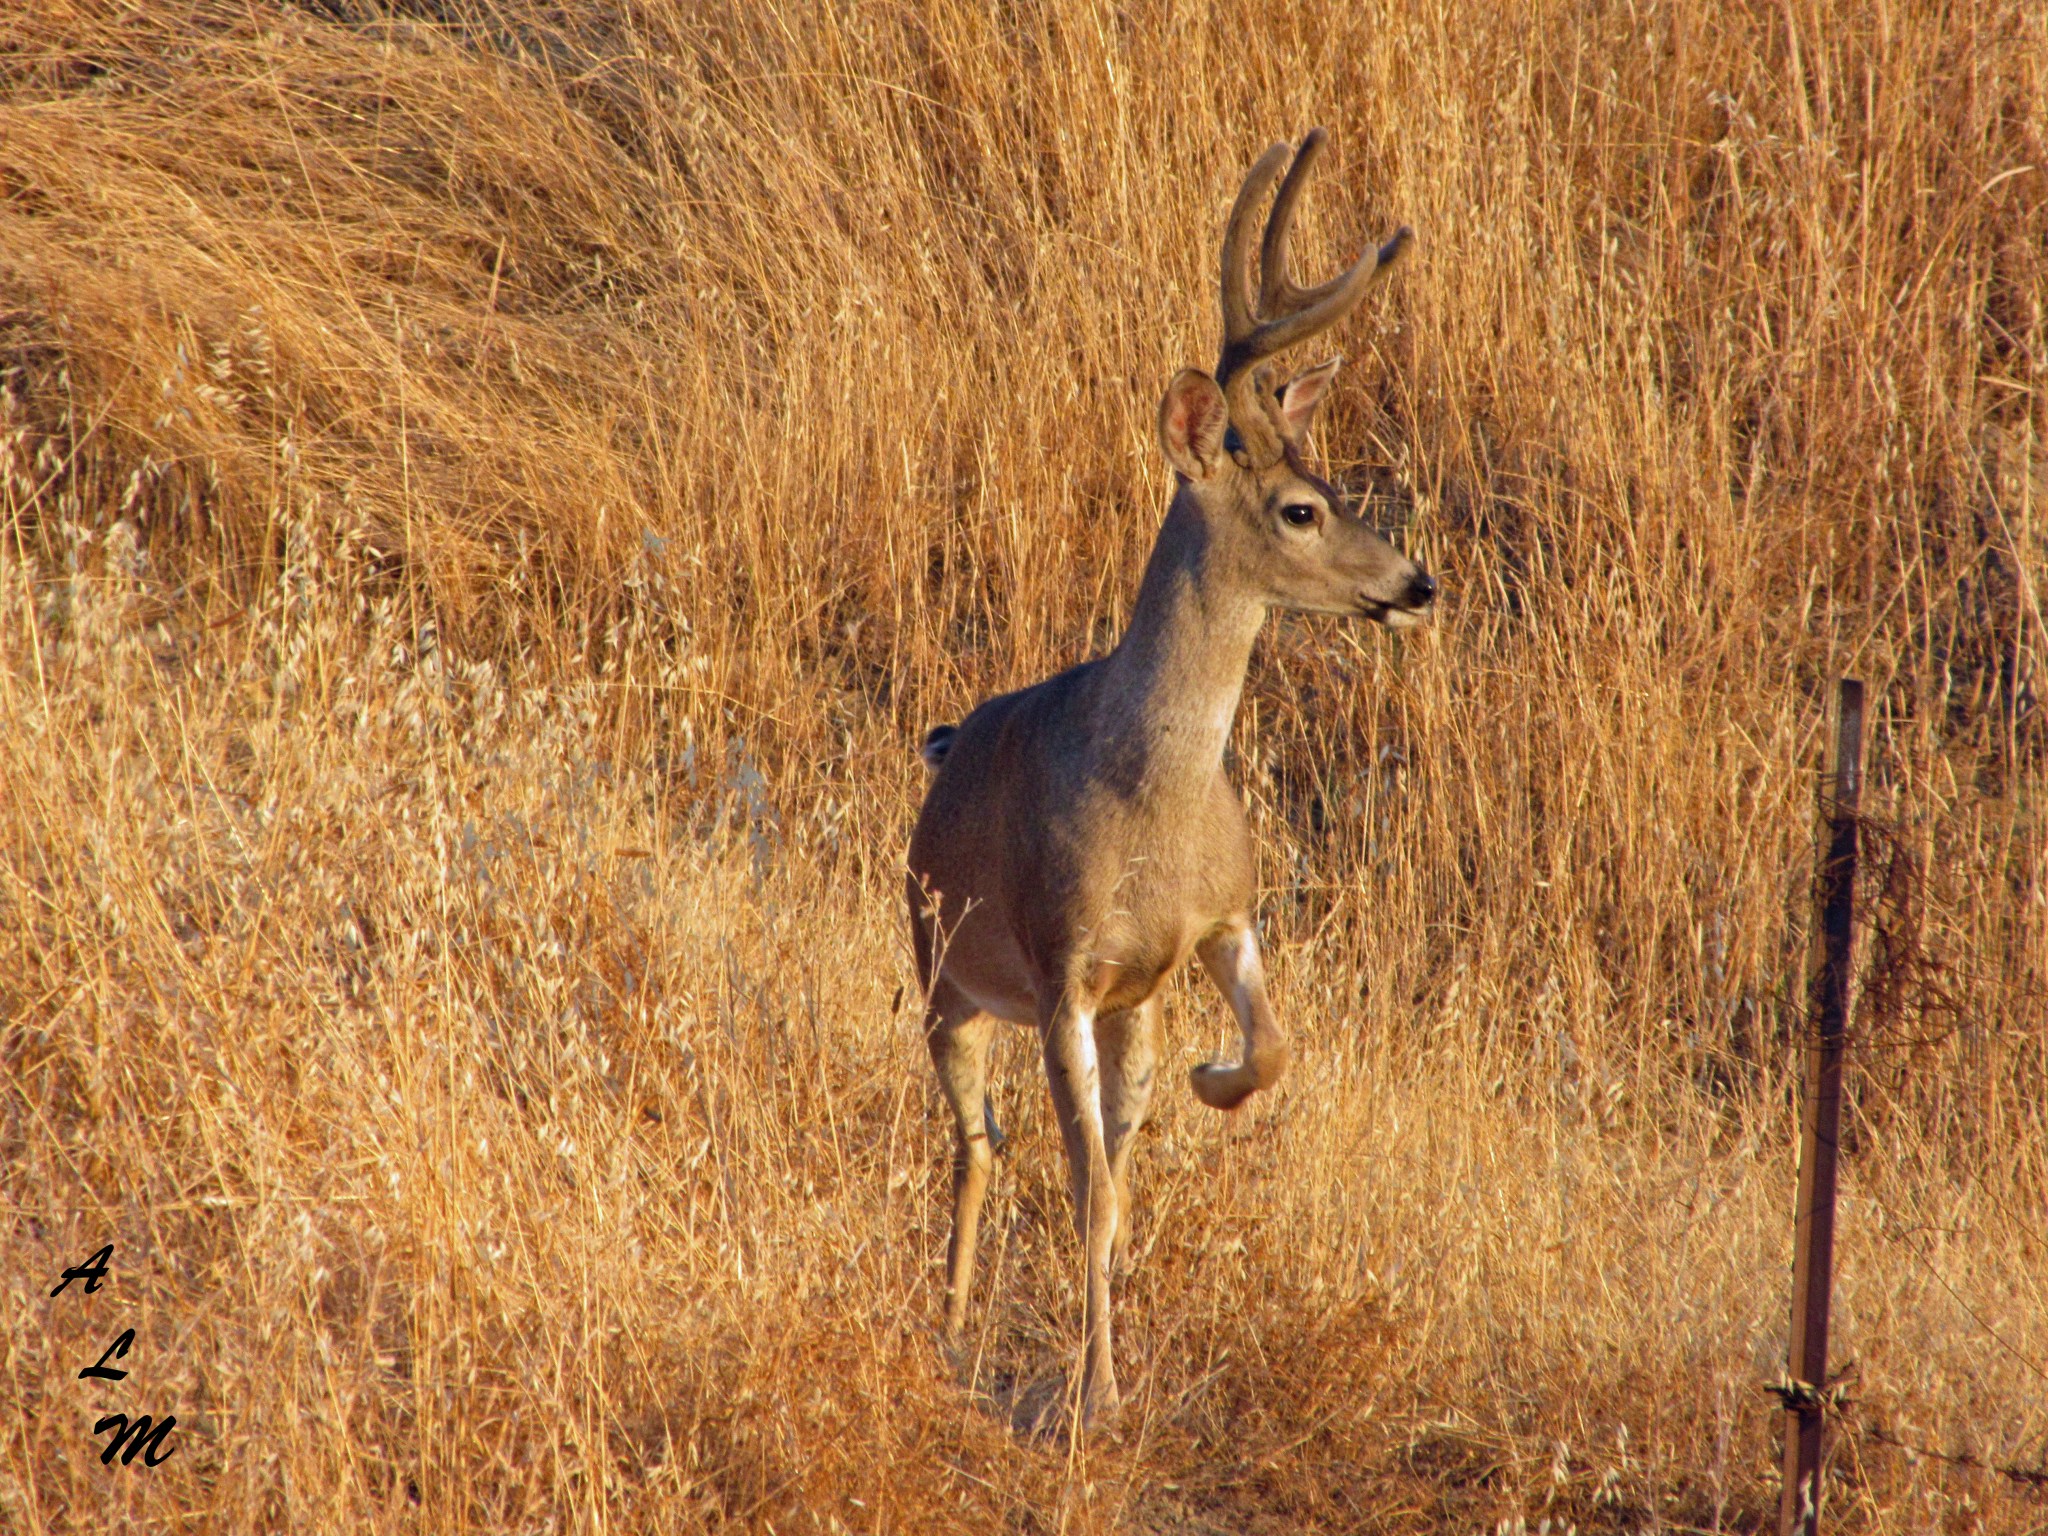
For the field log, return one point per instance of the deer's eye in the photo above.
(1298, 514)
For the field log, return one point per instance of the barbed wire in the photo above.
(1835, 1401)
(2031, 1477)
(1900, 1237)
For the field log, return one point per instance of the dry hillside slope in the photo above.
(492, 494)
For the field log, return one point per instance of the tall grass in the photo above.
(494, 492)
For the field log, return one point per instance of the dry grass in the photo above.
(491, 502)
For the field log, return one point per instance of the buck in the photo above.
(1079, 838)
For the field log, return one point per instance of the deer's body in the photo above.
(1082, 832)
(1080, 839)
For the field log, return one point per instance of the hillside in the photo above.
(493, 493)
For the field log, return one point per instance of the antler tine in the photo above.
(1277, 294)
(1333, 300)
(1240, 323)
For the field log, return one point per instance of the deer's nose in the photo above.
(1421, 590)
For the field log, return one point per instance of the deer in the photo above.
(1079, 838)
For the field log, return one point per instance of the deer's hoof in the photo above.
(1100, 1406)
(1220, 1086)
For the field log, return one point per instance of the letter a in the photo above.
(92, 1271)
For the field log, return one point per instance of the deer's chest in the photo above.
(1141, 910)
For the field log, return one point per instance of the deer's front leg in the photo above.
(1072, 1073)
(1231, 957)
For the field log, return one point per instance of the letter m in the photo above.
(138, 1435)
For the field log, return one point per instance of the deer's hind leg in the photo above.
(957, 1035)
(1128, 1047)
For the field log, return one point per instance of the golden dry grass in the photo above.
(494, 493)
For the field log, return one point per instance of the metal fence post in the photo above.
(1827, 1002)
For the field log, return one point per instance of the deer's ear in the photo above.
(1192, 421)
(1302, 394)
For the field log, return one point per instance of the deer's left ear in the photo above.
(1302, 394)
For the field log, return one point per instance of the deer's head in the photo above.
(1236, 437)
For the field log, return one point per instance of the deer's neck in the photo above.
(1171, 686)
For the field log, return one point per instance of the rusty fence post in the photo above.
(1827, 1004)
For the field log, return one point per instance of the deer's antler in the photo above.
(1285, 315)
